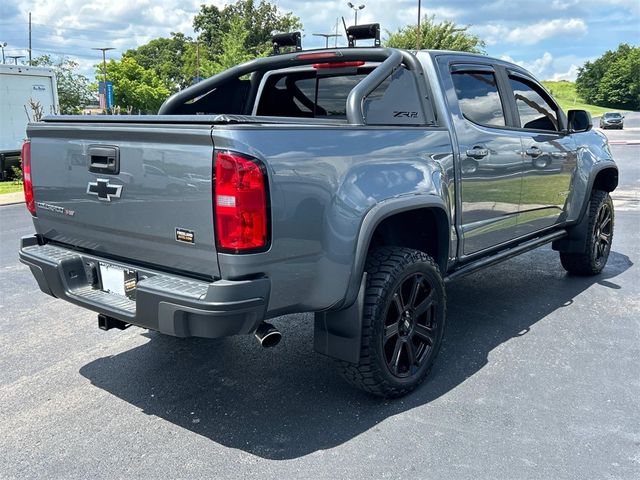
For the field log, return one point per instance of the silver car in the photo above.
(612, 120)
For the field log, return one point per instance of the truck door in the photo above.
(489, 155)
(549, 155)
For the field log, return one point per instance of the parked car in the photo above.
(612, 120)
(336, 185)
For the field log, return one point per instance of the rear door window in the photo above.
(478, 98)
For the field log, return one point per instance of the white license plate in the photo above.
(117, 280)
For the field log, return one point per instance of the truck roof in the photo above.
(26, 70)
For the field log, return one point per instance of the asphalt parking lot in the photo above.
(539, 377)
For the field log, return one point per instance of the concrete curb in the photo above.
(11, 198)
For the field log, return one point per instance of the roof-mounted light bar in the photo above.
(364, 32)
(293, 39)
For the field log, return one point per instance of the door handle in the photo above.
(104, 159)
(533, 152)
(477, 152)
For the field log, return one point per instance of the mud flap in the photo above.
(339, 334)
(576, 240)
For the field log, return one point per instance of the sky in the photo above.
(550, 38)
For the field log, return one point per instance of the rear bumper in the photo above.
(170, 304)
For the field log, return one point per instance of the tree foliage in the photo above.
(232, 43)
(166, 56)
(438, 36)
(176, 60)
(135, 88)
(74, 90)
(259, 20)
(227, 36)
(613, 80)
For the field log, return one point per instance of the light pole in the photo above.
(418, 38)
(2, 45)
(326, 36)
(15, 58)
(104, 70)
(355, 9)
(104, 63)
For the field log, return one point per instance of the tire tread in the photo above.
(382, 265)
(582, 263)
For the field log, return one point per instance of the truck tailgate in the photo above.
(154, 206)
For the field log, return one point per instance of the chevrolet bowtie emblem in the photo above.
(102, 189)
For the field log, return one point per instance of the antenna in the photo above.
(15, 58)
(326, 36)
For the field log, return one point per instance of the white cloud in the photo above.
(532, 33)
(539, 67)
(564, 4)
(548, 67)
(569, 75)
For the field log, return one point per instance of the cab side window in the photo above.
(535, 112)
(478, 98)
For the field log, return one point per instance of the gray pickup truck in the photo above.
(351, 182)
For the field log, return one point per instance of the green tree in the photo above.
(438, 36)
(135, 88)
(165, 56)
(74, 90)
(260, 21)
(232, 44)
(613, 80)
(177, 60)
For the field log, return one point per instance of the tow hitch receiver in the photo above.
(107, 323)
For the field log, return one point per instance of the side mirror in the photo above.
(579, 121)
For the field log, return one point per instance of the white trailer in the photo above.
(19, 85)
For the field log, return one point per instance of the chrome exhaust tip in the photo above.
(268, 335)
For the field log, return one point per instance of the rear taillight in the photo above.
(240, 203)
(26, 177)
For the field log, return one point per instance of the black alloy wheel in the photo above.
(410, 326)
(403, 322)
(602, 233)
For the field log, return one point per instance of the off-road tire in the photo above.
(389, 271)
(599, 235)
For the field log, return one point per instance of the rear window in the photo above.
(318, 94)
(303, 94)
(332, 93)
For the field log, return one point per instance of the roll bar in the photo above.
(390, 58)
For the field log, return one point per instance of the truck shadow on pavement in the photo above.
(289, 402)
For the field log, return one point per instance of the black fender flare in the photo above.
(382, 211)
(337, 332)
